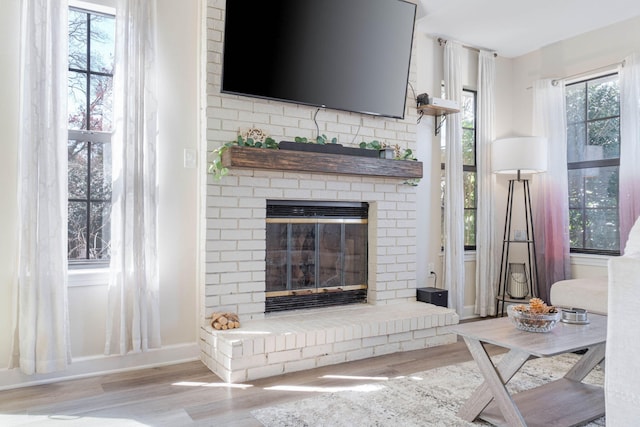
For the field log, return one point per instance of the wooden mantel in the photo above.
(304, 161)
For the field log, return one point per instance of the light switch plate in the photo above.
(189, 158)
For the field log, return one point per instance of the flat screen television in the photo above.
(349, 55)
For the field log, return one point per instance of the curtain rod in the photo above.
(555, 82)
(585, 73)
(442, 42)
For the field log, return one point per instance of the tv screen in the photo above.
(350, 55)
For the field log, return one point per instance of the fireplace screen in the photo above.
(316, 256)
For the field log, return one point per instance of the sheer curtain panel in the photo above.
(486, 251)
(629, 204)
(454, 187)
(549, 191)
(41, 322)
(133, 321)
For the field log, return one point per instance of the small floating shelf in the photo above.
(438, 113)
(433, 110)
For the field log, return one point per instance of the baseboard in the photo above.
(99, 365)
(468, 312)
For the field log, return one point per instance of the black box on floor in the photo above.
(434, 296)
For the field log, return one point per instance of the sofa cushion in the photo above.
(587, 293)
(633, 242)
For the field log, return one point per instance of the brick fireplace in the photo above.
(235, 233)
(269, 344)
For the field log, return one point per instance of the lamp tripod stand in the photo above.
(529, 240)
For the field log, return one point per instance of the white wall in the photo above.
(429, 75)
(178, 54)
(570, 57)
(9, 27)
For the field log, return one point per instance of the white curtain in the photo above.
(454, 188)
(41, 322)
(549, 191)
(486, 252)
(133, 322)
(629, 181)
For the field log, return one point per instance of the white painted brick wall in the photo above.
(235, 225)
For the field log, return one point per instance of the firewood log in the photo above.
(223, 321)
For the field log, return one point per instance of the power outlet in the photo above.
(431, 267)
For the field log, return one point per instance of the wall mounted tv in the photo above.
(350, 55)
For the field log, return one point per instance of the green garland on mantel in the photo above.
(218, 170)
(399, 153)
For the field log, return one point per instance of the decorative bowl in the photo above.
(533, 322)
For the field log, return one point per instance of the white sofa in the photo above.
(589, 293)
(622, 362)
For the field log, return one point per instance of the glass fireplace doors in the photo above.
(315, 261)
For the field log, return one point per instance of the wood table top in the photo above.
(563, 338)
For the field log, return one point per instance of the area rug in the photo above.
(429, 398)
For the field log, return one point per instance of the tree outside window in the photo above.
(593, 161)
(90, 94)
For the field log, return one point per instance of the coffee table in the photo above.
(564, 402)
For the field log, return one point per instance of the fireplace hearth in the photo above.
(316, 254)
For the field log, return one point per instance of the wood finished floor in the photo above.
(156, 397)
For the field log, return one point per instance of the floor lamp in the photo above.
(519, 156)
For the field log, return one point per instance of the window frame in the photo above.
(89, 136)
(595, 164)
(473, 168)
(466, 168)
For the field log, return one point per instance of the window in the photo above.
(469, 169)
(90, 93)
(593, 161)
